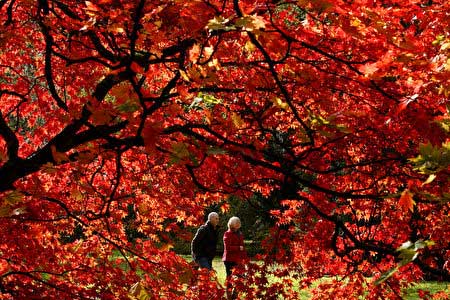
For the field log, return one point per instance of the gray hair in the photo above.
(232, 221)
(212, 214)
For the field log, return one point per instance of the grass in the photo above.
(219, 267)
(412, 293)
(433, 287)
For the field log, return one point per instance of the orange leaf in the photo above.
(237, 120)
(91, 6)
(406, 201)
(225, 207)
(91, 9)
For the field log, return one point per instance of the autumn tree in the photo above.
(120, 121)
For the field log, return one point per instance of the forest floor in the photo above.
(410, 294)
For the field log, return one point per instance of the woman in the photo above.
(233, 252)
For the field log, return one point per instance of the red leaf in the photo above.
(136, 68)
(406, 201)
(150, 135)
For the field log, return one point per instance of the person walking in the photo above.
(234, 251)
(204, 243)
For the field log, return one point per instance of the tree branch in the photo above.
(12, 142)
(48, 67)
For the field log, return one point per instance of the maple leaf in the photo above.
(150, 135)
(13, 197)
(369, 69)
(251, 23)
(91, 9)
(180, 151)
(219, 23)
(237, 120)
(406, 201)
(295, 115)
(278, 102)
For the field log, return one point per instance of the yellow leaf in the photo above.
(355, 22)
(429, 179)
(76, 194)
(249, 46)
(251, 23)
(184, 75)
(116, 28)
(219, 23)
(214, 63)
(368, 69)
(225, 207)
(447, 65)
(166, 247)
(186, 276)
(138, 292)
(279, 103)
(91, 9)
(445, 46)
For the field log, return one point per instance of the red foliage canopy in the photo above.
(336, 111)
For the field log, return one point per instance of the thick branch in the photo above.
(48, 67)
(100, 48)
(65, 8)
(9, 12)
(12, 142)
(66, 140)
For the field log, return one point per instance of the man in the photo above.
(205, 241)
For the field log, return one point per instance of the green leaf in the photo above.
(128, 107)
(203, 100)
(5, 211)
(432, 159)
(420, 244)
(408, 253)
(407, 256)
(216, 151)
(14, 197)
(444, 124)
(386, 275)
(179, 152)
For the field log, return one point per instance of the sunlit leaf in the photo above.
(429, 179)
(406, 201)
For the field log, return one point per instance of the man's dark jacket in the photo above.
(204, 242)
